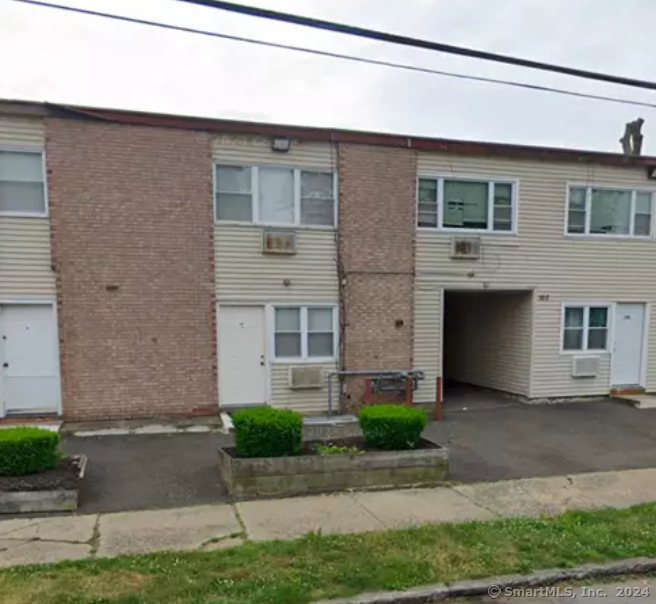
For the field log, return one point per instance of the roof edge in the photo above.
(333, 135)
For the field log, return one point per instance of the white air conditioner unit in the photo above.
(466, 247)
(278, 242)
(304, 377)
(585, 367)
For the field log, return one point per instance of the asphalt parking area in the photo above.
(490, 438)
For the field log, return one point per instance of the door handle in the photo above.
(262, 360)
(5, 364)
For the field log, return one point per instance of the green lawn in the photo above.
(316, 566)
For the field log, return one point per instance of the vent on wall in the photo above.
(278, 242)
(305, 376)
(465, 247)
(585, 367)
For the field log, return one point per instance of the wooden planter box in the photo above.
(50, 491)
(247, 478)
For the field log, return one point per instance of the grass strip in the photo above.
(328, 566)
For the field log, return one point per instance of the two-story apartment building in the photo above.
(157, 265)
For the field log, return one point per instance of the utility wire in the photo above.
(342, 56)
(381, 36)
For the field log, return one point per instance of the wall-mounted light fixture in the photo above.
(282, 144)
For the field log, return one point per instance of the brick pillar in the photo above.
(377, 226)
(132, 238)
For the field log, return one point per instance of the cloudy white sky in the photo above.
(56, 56)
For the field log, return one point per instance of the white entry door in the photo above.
(628, 344)
(29, 374)
(241, 344)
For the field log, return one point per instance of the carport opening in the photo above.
(486, 341)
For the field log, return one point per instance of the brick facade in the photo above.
(132, 241)
(377, 224)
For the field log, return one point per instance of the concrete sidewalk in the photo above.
(207, 527)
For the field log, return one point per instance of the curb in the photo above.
(480, 587)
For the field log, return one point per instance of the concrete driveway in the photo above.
(490, 438)
(495, 438)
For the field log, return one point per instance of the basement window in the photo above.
(466, 205)
(585, 328)
(22, 183)
(274, 196)
(609, 211)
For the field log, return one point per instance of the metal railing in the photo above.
(411, 376)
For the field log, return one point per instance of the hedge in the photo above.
(392, 427)
(27, 451)
(267, 432)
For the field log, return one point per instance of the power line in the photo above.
(381, 36)
(342, 56)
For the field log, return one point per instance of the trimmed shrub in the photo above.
(27, 451)
(267, 432)
(392, 427)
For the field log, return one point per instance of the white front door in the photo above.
(241, 344)
(628, 344)
(29, 374)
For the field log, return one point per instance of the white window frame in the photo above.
(255, 196)
(304, 358)
(41, 152)
(610, 309)
(490, 180)
(588, 214)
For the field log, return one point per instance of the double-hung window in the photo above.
(609, 211)
(585, 328)
(304, 332)
(22, 183)
(274, 195)
(466, 204)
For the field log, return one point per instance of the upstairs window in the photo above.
(22, 183)
(607, 211)
(466, 204)
(275, 196)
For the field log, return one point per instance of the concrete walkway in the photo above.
(207, 527)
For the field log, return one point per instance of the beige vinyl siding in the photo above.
(543, 258)
(245, 274)
(25, 259)
(22, 132)
(25, 262)
(256, 151)
(427, 338)
(487, 339)
(310, 402)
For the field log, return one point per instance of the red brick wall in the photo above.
(377, 222)
(132, 236)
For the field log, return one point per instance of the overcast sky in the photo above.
(57, 56)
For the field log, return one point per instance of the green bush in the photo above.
(27, 451)
(392, 427)
(267, 432)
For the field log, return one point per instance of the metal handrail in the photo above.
(389, 373)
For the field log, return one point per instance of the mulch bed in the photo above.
(310, 446)
(64, 476)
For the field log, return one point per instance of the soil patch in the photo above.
(64, 476)
(310, 446)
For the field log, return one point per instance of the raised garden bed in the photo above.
(55, 490)
(311, 472)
